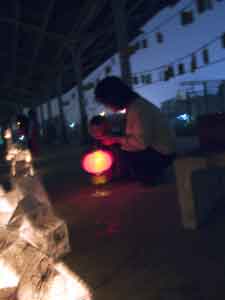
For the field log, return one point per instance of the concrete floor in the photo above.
(127, 240)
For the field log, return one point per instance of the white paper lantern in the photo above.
(8, 276)
(8, 294)
(36, 223)
(16, 256)
(48, 282)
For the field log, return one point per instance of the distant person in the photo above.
(148, 143)
(22, 125)
(33, 133)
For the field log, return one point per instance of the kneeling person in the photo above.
(148, 143)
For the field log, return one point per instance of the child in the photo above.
(99, 128)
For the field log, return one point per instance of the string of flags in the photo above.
(187, 64)
(178, 67)
(169, 71)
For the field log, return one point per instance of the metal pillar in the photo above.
(42, 119)
(49, 107)
(206, 98)
(61, 110)
(121, 30)
(77, 66)
(222, 95)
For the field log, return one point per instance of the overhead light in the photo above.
(22, 138)
(72, 124)
(123, 111)
(183, 117)
(102, 114)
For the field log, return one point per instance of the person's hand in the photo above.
(109, 141)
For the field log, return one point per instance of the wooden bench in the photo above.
(200, 181)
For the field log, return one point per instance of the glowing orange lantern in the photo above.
(97, 162)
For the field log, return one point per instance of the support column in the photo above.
(206, 97)
(61, 110)
(121, 31)
(222, 95)
(49, 106)
(42, 119)
(77, 66)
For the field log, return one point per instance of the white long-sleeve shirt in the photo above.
(146, 126)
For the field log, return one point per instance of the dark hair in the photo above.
(98, 120)
(113, 92)
(22, 119)
(32, 113)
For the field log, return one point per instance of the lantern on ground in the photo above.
(98, 163)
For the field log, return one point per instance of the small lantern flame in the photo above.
(97, 162)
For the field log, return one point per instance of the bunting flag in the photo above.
(193, 63)
(88, 86)
(159, 37)
(205, 54)
(133, 48)
(169, 73)
(148, 78)
(187, 17)
(143, 78)
(145, 43)
(181, 69)
(108, 70)
(135, 80)
(223, 40)
(203, 5)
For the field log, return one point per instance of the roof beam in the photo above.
(34, 28)
(92, 8)
(89, 40)
(15, 89)
(11, 100)
(40, 39)
(15, 42)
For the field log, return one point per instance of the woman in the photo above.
(148, 144)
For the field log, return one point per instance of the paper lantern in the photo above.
(10, 278)
(49, 281)
(8, 134)
(97, 162)
(36, 223)
(16, 256)
(8, 204)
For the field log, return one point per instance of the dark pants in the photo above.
(147, 164)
